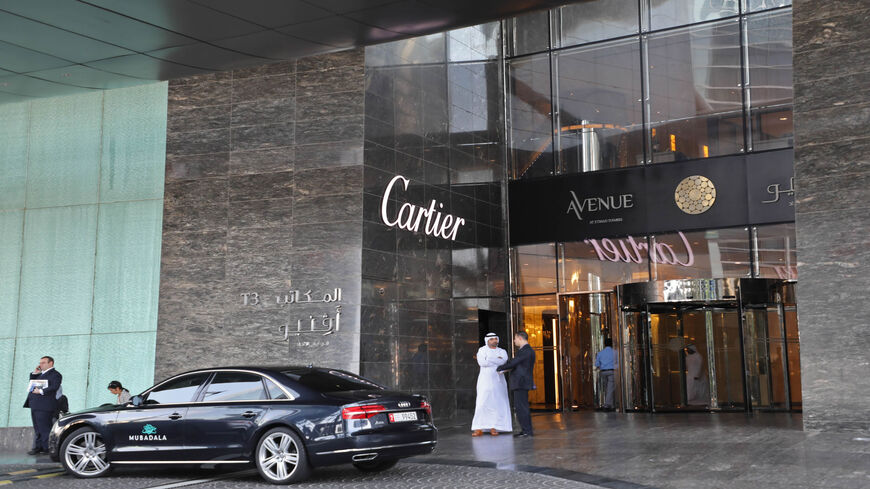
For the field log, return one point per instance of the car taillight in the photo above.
(362, 412)
(428, 407)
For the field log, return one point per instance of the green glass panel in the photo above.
(57, 272)
(7, 349)
(125, 357)
(13, 154)
(11, 223)
(127, 276)
(70, 359)
(134, 143)
(64, 150)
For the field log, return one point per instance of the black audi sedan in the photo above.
(283, 420)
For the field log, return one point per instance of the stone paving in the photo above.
(581, 450)
(403, 476)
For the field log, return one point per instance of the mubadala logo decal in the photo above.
(149, 432)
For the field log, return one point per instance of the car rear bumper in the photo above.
(378, 447)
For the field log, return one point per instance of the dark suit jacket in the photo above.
(47, 401)
(521, 368)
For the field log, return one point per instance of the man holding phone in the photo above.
(42, 401)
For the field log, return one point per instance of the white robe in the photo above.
(493, 409)
(697, 391)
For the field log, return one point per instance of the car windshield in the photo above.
(331, 381)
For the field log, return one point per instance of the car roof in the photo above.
(264, 369)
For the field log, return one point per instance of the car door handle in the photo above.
(249, 414)
(174, 416)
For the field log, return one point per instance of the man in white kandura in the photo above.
(493, 410)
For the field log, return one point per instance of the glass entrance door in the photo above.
(695, 357)
(773, 353)
(585, 321)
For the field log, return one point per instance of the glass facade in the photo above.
(634, 82)
(439, 123)
(627, 83)
(81, 214)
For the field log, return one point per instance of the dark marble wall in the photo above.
(263, 195)
(434, 116)
(832, 171)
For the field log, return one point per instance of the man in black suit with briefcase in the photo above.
(42, 400)
(521, 381)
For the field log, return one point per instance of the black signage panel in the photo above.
(533, 210)
(699, 194)
(770, 185)
(601, 204)
(711, 193)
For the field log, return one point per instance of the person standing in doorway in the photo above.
(492, 410)
(604, 362)
(42, 394)
(697, 383)
(521, 381)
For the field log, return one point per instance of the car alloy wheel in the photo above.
(281, 457)
(83, 454)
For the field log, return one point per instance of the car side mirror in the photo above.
(136, 401)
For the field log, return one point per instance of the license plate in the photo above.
(400, 417)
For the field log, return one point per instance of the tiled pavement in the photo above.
(577, 450)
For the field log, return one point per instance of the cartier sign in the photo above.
(428, 219)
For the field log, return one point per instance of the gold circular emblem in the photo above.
(695, 194)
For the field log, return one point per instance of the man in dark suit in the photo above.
(521, 381)
(42, 402)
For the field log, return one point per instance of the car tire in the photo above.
(83, 454)
(280, 457)
(376, 465)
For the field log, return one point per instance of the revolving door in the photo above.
(718, 345)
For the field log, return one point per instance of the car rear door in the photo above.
(223, 422)
(155, 430)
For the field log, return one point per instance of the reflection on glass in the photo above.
(668, 388)
(586, 266)
(586, 323)
(478, 272)
(756, 5)
(765, 358)
(538, 317)
(724, 326)
(715, 253)
(794, 353)
(670, 13)
(416, 50)
(475, 43)
(529, 33)
(534, 268)
(771, 91)
(600, 111)
(531, 129)
(634, 353)
(696, 104)
(777, 251)
(597, 20)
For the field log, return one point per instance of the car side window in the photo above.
(235, 386)
(178, 391)
(275, 392)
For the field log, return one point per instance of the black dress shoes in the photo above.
(35, 451)
(522, 435)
